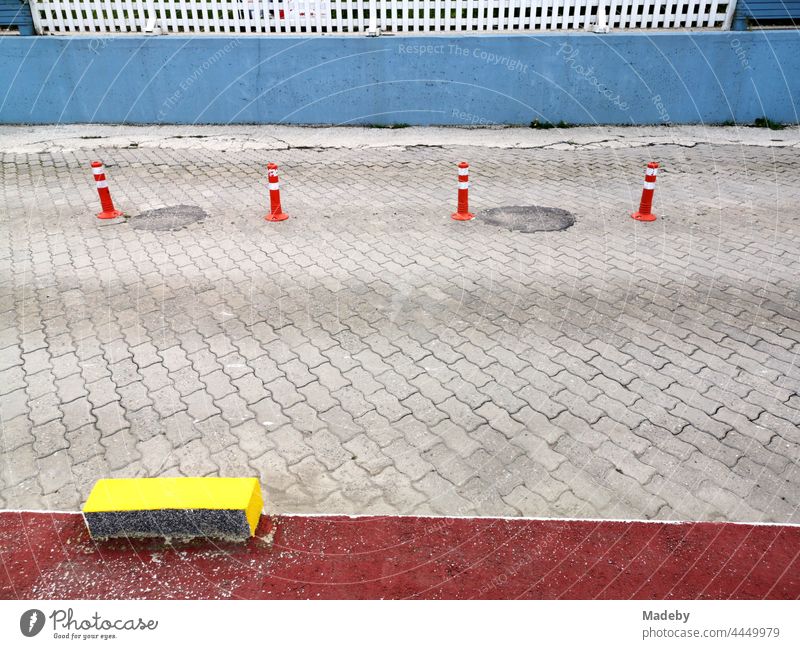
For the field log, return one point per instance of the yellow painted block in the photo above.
(149, 494)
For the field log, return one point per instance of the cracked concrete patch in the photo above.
(528, 218)
(175, 217)
(27, 139)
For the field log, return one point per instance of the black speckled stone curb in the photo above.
(225, 524)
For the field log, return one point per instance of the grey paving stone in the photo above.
(725, 505)
(15, 433)
(284, 392)
(398, 491)
(781, 410)
(231, 462)
(49, 438)
(13, 404)
(578, 375)
(618, 411)
(233, 409)
(14, 379)
(194, 459)
(330, 376)
(352, 401)
(363, 381)
(215, 433)
(753, 451)
(328, 449)
(120, 449)
(431, 388)
(84, 444)
(19, 465)
(387, 405)
(625, 461)
(290, 444)
(367, 454)
(134, 396)
(253, 437)
(155, 377)
(442, 495)
(44, 409)
(167, 401)
(584, 486)
(356, 484)
(157, 455)
(523, 499)
(218, 384)
(408, 460)
(652, 394)
(204, 362)
(315, 476)
(576, 404)
(578, 429)
(631, 497)
(55, 471)
(297, 373)
(684, 504)
(397, 384)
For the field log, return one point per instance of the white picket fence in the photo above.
(354, 16)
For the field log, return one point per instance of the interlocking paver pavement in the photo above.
(370, 355)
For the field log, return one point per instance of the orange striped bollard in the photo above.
(106, 204)
(646, 204)
(463, 213)
(276, 213)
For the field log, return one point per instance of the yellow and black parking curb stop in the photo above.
(221, 508)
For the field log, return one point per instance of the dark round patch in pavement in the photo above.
(174, 217)
(528, 218)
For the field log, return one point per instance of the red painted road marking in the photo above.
(51, 556)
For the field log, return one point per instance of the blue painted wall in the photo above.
(618, 78)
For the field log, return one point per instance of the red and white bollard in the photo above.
(276, 213)
(106, 203)
(646, 204)
(463, 213)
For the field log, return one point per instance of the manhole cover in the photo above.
(168, 218)
(528, 218)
